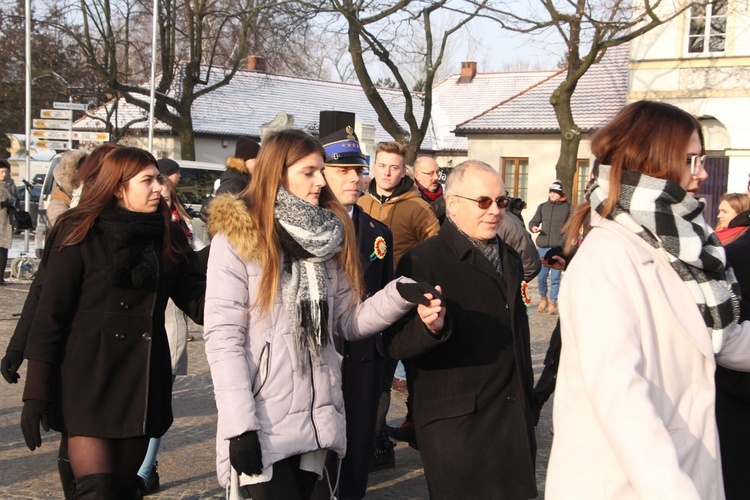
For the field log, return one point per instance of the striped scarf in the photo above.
(668, 218)
(310, 236)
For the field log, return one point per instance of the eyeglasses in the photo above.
(485, 202)
(696, 163)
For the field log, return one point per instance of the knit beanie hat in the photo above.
(246, 149)
(557, 187)
(167, 166)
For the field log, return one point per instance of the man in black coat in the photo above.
(362, 368)
(474, 385)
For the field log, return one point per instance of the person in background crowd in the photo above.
(176, 326)
(98, 360)
(474, 387)
(514, 234)
(548, 222)
(733, 386)
(545, 385)
(648, 307)
(8, 205)
(394, 200)
(731, 205)
(239, 167)
(66, 182)
(427, 176)
(362, 367)
(170, 170)
(284, 275)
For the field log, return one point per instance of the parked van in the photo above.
(197, 183)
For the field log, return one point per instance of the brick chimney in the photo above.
(256, 63)
(468, 71)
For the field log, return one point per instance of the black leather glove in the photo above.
(245, 455)
(4, 204)
(35, 411)
(414, 292)
(10, 364)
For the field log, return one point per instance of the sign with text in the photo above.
(53, 124)
(63, 135)
(58, 114)
(51, 144)
(70, 105)
(91, 136)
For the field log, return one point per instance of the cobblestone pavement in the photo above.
(186, 458)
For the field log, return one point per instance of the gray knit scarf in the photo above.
(668, 218)
(310, 236)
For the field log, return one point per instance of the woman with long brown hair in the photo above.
(98, 360)
(648, 308)
(283, 277)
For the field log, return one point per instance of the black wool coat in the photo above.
(473, 389)
(733, 387)
(362, 368)
(112, 375)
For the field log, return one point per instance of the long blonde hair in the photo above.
(279, 151)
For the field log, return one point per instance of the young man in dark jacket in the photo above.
(548, 221)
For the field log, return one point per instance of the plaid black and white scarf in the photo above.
(668, 218)
(310, 235)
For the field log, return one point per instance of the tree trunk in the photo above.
(570, 136)
(187, 137)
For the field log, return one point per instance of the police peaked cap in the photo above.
(342, 149)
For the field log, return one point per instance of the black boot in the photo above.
(97, 487)
(3, 263)
(67, 479)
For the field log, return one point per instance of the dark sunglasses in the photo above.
(484, 202)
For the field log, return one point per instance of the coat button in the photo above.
(147, 337)
(125, 305)
(511, 398)
(148, 248)
(120, 336)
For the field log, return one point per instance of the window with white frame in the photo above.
(580, 180)
(708, 27)
(516, 176)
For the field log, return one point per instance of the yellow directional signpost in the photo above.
(54, 129)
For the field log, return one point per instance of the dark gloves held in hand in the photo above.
(9, 366)
(245, 455)
(35, 411)
(10, 202)
(414, 292)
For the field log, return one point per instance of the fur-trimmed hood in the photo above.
(66, 171)
(229, 215)
(237, 164)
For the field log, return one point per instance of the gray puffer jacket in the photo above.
(258, 384)
(550, 216)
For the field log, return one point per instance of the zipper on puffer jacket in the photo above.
(264, 364)
(312, 401)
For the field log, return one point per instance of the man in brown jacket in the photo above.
(394, 200)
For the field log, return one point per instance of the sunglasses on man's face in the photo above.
(484, 202)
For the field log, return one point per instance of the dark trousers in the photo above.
(289, 482)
